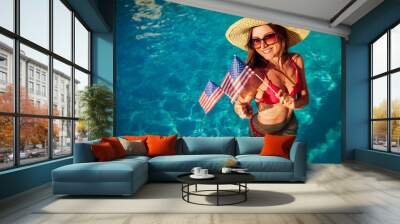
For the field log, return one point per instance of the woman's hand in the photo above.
(286, 100)
(244, 110)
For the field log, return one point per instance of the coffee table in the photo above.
(238, 179)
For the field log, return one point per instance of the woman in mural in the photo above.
(280, 87)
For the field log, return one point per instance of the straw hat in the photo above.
(237, 33)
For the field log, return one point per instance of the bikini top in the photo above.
(269, 96)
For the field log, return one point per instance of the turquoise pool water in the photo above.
(167, 52)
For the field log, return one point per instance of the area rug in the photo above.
(167, 198)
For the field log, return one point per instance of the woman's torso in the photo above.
(277, 113)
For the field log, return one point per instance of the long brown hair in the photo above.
(255, 60)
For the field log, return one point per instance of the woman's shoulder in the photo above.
(297, 59)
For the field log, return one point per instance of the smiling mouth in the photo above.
(267, 51)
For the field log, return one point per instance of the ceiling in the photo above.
(327, 16)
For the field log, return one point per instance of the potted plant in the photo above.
(97, 104)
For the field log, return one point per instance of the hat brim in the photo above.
(238, 33)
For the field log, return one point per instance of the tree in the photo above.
(33, 131)
(97, 103)
(380, 127)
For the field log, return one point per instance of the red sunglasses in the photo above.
(267, 39)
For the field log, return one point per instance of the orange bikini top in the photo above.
(269, 96)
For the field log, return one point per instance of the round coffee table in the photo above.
(238, 179)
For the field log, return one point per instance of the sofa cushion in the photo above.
(111, 171)
(207, 145)
(249, 145)
(103, 152)
(185, 163)
(277, 145)
(161, 145)
(116, 145)
(257, 163)
(134, 147)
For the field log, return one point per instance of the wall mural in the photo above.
(167, 53)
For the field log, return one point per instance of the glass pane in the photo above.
(35, 21)
(379, 55)
(62, 89)
(81, 81)
(33, 139)
(379, 135)
(34, 97)
(395, 47)
(81, 45)
(62, 138)
(6, 142)
(62, 29)
(81, 131)
(6, 74)
(7, 14)
(379, 97)
(395, 94)
(395, 132)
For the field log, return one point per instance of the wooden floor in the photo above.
(377, 188)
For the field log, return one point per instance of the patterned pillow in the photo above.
(134, 147)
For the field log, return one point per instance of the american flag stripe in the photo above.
(241, 84)
(214, 99)
(209, 102)
(210, 96)
(233, 88)
(241, 80)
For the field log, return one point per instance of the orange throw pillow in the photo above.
(103, 152)
(277, 145)
(161, 145)
(116, 145)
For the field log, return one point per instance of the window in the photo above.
(44, 131)
(385, 95)
(81, 45)
(6, 73)
(30, 72)
(7, 14)
(44, 91)
(3, 78)
(34, 21)
(30, 87)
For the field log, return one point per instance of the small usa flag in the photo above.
(210, 96)
(236, 78)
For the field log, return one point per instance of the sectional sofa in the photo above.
(125, 176)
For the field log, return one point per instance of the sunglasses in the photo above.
(267, 39)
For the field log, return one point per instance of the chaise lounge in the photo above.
(125, 176)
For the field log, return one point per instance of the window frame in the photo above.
(16, 114)
(388, 74)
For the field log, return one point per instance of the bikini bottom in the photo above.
(287, 127)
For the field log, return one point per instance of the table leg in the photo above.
(245, 193)
(217, 194)
(196, 188)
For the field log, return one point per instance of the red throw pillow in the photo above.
(116, 145)
(277, 145)
(161, 145)
(103, 152)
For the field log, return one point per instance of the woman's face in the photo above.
(262, 34)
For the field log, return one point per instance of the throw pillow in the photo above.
(161, 145)
(117, 146)
(277, 145)
(135, 147)
(103, 152)
(132, 138)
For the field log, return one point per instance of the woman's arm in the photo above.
(242, 105)
(304, 95)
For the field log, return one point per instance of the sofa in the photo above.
(126, 175)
